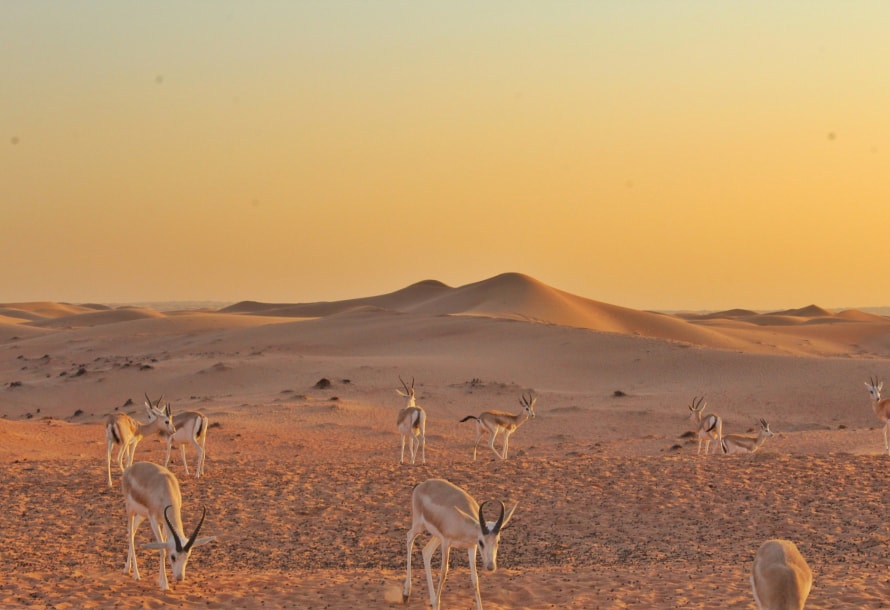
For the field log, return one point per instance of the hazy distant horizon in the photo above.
(194, 304)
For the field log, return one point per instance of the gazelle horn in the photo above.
(498, 523)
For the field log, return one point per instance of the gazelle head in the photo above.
(697, 407)
(490, 535)
(874, 388)
(178, 552)
(154, 411)
(528, 404)
(408, 393)
(765, 428)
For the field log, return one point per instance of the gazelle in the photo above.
(780, 577)
(495, 421)
(123, 430)
(881, 407)
(710, 428)
(412, 424)
(737, 443)
(191, 427)
(454, 519)
(152, 492)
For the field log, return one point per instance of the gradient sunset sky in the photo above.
(655, 155)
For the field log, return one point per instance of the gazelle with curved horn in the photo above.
(152, 492)
(412, 424)
(708, 428)
(737, 443)
(780, 577)
(881, 407)
(455, 520)
(123, 430)
(493, 422)
(191, 428)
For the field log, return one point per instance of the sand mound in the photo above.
(99, 318)
(515, 296)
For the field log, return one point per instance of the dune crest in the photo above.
(516, 296)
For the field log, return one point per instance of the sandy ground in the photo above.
(309, 503)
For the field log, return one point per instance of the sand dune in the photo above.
(310, 506)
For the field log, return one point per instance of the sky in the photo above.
(656, 155)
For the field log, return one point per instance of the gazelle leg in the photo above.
(406, 588)
(474, 577)
(446, 555)
(402, 459)
(120, 457)
(491, 443)
(428, 551)
(185, 464)
(160, 536)
(199, 472)
(131, 565)
(506, 442)
(110, 447)
(886, 441)
(169, 447)
(479, 430)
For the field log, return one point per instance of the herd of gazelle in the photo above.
(411, 422)
(188, 427)
(152, 491)
(780, 576)
(710, 428)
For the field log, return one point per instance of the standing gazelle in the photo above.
(412, 424)
(123, 430)
(152, 492)
(493, 422)
(881, 407)
(454, 519)
(709, 428)
(191, 427)
(780, 577)
(737, 443)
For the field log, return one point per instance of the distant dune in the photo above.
(515, 296)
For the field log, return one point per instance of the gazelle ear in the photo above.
(204, 540)
(401, 393)
(154, 545)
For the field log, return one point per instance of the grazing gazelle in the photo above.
(123, 430)
(495, 421)
(709, 428)
(191, 427)
(152, 492)
(881, 407)
(454, 519)
(737, 443)
(412, 424)
(780, 577)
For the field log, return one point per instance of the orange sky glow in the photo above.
(656, 155)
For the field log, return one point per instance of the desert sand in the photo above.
(310, 506)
